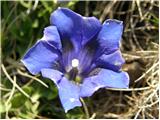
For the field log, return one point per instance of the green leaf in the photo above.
(49, 93)
(18, 100)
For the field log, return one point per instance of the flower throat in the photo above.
(73, 74)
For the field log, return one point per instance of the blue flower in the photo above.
(79, 55)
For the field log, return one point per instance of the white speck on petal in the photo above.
(96, 88)
(117, 63)
(72, 99)
(121, 23)
(99, 86)
(107, 23)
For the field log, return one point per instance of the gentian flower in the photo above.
(79, 55)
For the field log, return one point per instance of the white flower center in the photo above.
(75, 63)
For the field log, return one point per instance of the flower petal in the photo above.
(85, 59)
(69, 94)
(68, 91)
(52, 74)
(113, 61)
(74, 27)
(91, 26)
(105, 78)
(51, 35)
(110, 35)
(41, 55)
(86, 56)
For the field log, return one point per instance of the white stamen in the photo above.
(75, 63)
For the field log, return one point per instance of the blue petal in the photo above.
(52, 74)
(74, 27)
(85, 61)
(105, 78)
(41, 55)
(67, 58)
(91, 26)
(110, 35)
(68, 91)
(69, 94)
(113, 61)
(51, 35)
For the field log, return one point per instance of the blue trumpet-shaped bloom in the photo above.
(71, 49)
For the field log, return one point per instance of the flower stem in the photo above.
(85, 108)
